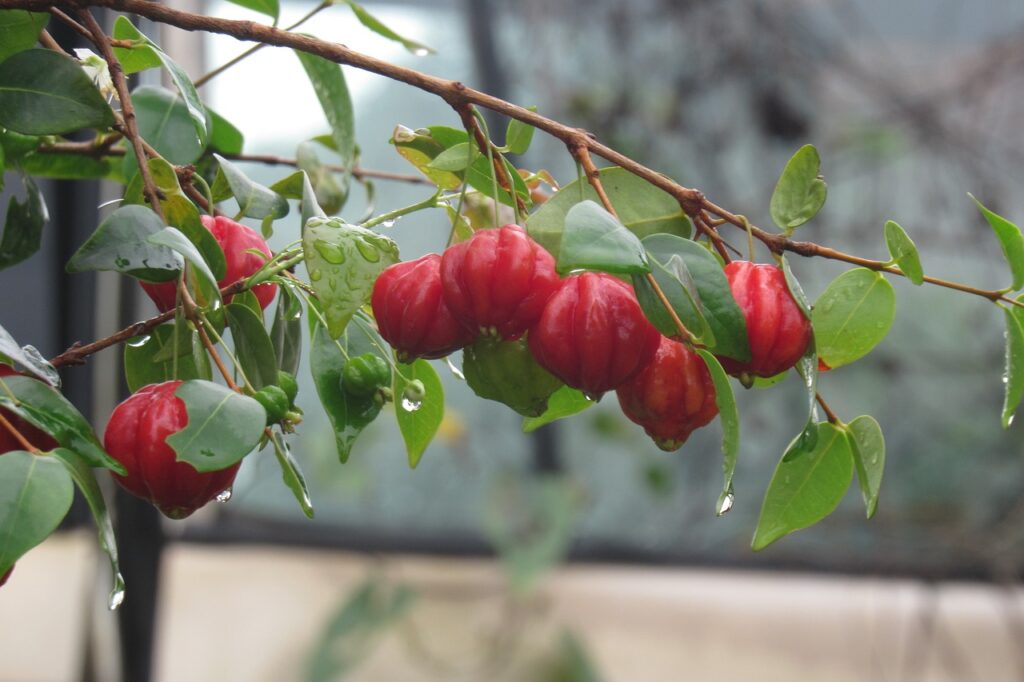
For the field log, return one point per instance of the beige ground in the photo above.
(257, 614)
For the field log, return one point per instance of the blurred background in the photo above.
(581, 551)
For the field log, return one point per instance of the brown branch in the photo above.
(832, 418)
(47, 41)
(83, 31)
(189, 307)
(131, 129)
(22, 441)
(701, 223)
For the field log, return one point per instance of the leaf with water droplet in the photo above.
(852, 316)
(120, 244)
(904, 252)
(223, 426)
(730, 419)
(418, 422)
(565, 402)
(1013, 372)
(348, 257)
(868, 448)
(292, 474)
(152, 361)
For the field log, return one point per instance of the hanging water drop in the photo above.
(332, 253)
(116, 595)
(315, 275)
(389, 223)
(142, 341)
(224, 495)
(725, 503)
(456, 372)
(367, 250)
(421, 52)
(411, 405)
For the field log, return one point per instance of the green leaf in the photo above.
(642, 207)
(518, 135)
(165, 122)
(594, 239)
(121, 244)
(174, 239)
(253, 347)
(19, 30)
(730, 418)
(800, 192)
(254, 200)
(286, 332)
(343, 263)
(224, 136)
(794, 287)
(44, 407)
(679, 287)
(868, 449)
(418, 420)
(85, 478)
(565, 402)
(142, 366)
(330, 194)
(374, 24)
(807, 368)
(904, 252)
(1010, 239)
(43, 92)
(806, 487)
(27, 359)
(1013, 372)
(852, 316)
(23, 230)
(223, 426)
(348, 414)
(35, 495)
(456, 158)
(328, 82)
(141, 56)
(419, 148)
(269, 7)
(309, 206)
(292, 475)
(71, 167)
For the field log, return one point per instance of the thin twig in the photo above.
(465, 111)
(189, 307)
(47, 41)
(22, 441)
(832, 418)
(700, 222)
(83, 31)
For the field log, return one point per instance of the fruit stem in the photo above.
(429, 202)
(832, 418)
(17, 435)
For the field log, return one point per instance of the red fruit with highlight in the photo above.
(235, 240)
(42, 441)
(777, 329)
(411, 312)
(499, 279)
(592, 333)
(136, 436)
(672, 397)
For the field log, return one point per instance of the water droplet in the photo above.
(145, 339)
(421, 52)
(725, 503)
(592, 397)
(456, 372)
(1006, 379)
(315, 275)
(332, 253)
(224, 495)
(389, 223)
(411, 405)
(117, 594)
(1009, 422)
(368, 251)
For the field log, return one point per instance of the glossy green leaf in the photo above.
(419, 148)
(506, 371)
(642, 207)
(456, 158)
(19, 30)
(594, 239)
(800, 192)
(286, 331)
(343, 263)
(72, 167)
(308, 205)
(868, 449)
(794, 287)
(121, 244)
(166, 123)
(518, 135)
(140, 56)
(173, 238)
(23, 230)
(349, 414)
(16, 146)
(224, 136)
(142, 366)
(807, 369)
(45, 408)
(269, 7)
(565, 402)
(35, 495)
(1010, 239)
(292, 475)
(328, 82)
(418, 420)
(254, 200)
(678, 285)
(85, 478)
(374, 24)
(249, 300)
(223, 426)
(43, 92)
(1013, 371)
(330, 193)
(806, 487)
(26, 359)
(730, 418)
(852, 316)
(903, 250)
(253, 347)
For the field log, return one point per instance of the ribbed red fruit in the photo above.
(136, 436)
(672, 397)
(8, 442)
(592, 334)
(235, 239)
(778, 331)
(411, 313)
(498, 279)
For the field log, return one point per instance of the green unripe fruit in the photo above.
(364, 374)
(275, 401)
(505, 371)
(289, 385)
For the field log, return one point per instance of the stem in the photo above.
(471, 121)
(22, 441)
(429, 202)
(832, 418)
(700, 222)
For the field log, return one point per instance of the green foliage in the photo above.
(594, 239)
(1013, 371)
(35, 495)
(223, 426)
(253, 347)
(904, 252)
(27, 359)
(565, 402)
(1010, 239)
(19, 30)
(166, 123)
(292, 475)
(286, 330)
(271, 8)
(224, 136)
(173, 239)
(506, 371)
(254, 200)
(730, 418)
(800, 192)
(518, 135)
(868, 449)
(418, 417)
(677, 284)
(153, 358)
(121, 243)
(852, 316)
(374, 24)
(23, 230)
(328, 82)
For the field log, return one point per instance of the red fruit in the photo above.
(592, 334)
(8, 442)
(135, 437)
(498, 279)
(671, 397)
(778, 331)
(234, 239)
(411, 313)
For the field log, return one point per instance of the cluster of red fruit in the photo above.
(587, 329)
